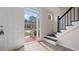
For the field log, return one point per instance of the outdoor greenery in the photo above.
(28, 24)
(27, 32)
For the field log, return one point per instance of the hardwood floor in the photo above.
(42, 46)
(55, 48)
(34, 46)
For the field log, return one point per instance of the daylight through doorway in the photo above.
(30, 17)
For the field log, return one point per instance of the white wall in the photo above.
(70, 39)
(12, 20)
(46, 25)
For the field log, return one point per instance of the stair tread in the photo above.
(49, 38)
(51, 42)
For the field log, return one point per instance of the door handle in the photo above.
(1, 32)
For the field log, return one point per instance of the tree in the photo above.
(32, 19)
(25, 21)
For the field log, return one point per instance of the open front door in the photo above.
(30, 24)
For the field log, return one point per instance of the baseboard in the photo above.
(73, 49)
(15, 49)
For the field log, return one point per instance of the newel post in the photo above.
(58, 23)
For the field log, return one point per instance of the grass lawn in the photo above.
(27, 32)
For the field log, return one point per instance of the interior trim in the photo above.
(73, 49)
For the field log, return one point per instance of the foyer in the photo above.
(57, 29)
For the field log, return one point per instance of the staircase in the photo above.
(65, 23)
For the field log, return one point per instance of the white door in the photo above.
(3, 27)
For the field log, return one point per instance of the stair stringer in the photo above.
(70, 38)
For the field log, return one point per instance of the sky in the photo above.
(29, 13)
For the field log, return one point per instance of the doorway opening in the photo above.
(30, 24)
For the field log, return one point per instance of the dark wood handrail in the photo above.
(65, 13)
(59, 18)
